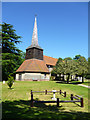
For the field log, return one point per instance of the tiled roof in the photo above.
(50, 60)
(33, 65)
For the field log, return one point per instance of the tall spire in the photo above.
(35, 34)
(34, 50)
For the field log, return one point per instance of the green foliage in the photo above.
(12, 57)
(88, 74)
(78, 65)
(10, 81)
(65, 67)
(55, 69)
(68, 58)
(59, 60)
(52, 78)
(9, 39)
(77, 57)
(82, 65)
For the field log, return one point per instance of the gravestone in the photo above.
(54, 91)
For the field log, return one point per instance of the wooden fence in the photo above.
(78, 98)
(58, 101)
(47, 91)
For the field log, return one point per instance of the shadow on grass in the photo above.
(64, 82)
(21, 110)
(10, 88)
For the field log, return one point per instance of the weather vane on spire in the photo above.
(35, 15)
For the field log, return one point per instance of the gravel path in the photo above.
(84, 85)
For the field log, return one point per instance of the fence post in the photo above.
(45, 92)
(64, 94)
(71, 96)
(57, 102)
(31, 99)
(60, 91)
(81, 102)
(31, 91)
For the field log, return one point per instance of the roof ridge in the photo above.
(50, 56)
(34, 59)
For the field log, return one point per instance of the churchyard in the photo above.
(16, 102)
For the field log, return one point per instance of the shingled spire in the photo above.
(35, 34)
(34, 50)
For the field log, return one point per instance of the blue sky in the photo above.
(62, 27)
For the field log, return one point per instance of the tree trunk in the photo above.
(71, 77)
(60, 76)
(68, 78)
(82, 79)
(63, 78)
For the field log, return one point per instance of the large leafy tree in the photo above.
(78, 65)
(9, 39)
(88, 73)
(11, 55)
(55, 70)
(82, 66)
(67, 67)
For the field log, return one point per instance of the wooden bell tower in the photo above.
(34, 50)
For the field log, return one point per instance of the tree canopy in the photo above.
(88, 75)
(9, 39)
(69, 66)
(68, 58)
(12, 57)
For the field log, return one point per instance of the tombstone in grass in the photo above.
(4, 82)
(54, 91)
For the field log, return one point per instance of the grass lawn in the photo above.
(87, 82)
(16, 102)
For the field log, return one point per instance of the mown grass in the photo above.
(16, 101)
(86, 82)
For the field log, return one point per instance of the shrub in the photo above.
(10, 81)
(52, 78)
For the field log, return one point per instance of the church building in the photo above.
(36, 67)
